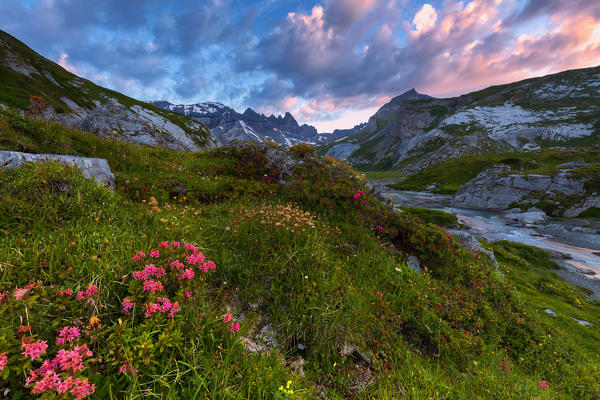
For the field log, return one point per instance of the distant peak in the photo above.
(411, 94)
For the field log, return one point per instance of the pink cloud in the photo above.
(63, 63)
(424, 19)
(473, 48)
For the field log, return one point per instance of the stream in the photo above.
(574, 243)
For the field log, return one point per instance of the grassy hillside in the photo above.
(313, 274)
(450, 175)
(24, 73)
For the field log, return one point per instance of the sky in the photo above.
(331, 63)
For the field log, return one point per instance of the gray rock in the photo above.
(342, 151)
(473, 244)
(583, 323)
(497, 191)
(551, 312)
(277, 158)
(96, 168)
(527, 218)
(413, 262)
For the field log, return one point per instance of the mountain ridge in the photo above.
(413, 131)
(227, 125)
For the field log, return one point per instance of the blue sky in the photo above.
(332, 63)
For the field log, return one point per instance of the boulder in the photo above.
(496, 191)
(527, 218)
(96, 168)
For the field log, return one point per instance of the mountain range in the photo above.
(414, 130)
(227, 125)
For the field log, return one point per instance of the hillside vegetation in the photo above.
(448, 176)
(308, 293)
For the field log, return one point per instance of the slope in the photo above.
(73, 101)
(310, 294)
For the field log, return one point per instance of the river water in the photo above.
(574, 244)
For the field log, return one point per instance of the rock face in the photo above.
(497, 191)
(414, 131)
(228, 125)
(96, 168)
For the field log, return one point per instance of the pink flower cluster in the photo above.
(68, 334)
(152, 286)
(148, 271)
(235, 326)
(127, 368)
(358, 194)
(187, 274)
(65, 293)
(89, 292)
(3, 360)
(139, 256)
(154, 253)
(162, 305)
(35, 349)
(127, 305)
(48, 377)
(2, 297)
(543, 384)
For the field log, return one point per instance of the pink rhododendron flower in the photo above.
(127, 368)
(175, 244)
(50, 380)
(148, 271)
(235, 326)
(35, 349)
(67, 334)
(162, 305)
(82, 388)
(152, 286)
(89, 292)
(19, 293)
(543, 384)
(381, 228)
(69, 360)
(187, 294)
(2, 297)
(65, 385)
(127, 305)
(177, 264)
(207, 266)
(138, 256)
(3, 360)
(154, 253)
(163, 244)
(187, 274)
(191, 247)
(65, 293)
(228, 318)
(195, 258)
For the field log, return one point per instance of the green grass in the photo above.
(383, 174)
(435, 217)
(450, 175)
(319, 267)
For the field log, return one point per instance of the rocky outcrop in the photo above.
(342, 151)
(96, 168)
(497, 191)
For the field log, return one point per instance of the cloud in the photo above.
(63, 63)
(322, 59)
(424, 19)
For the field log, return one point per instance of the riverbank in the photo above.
(574, 244)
